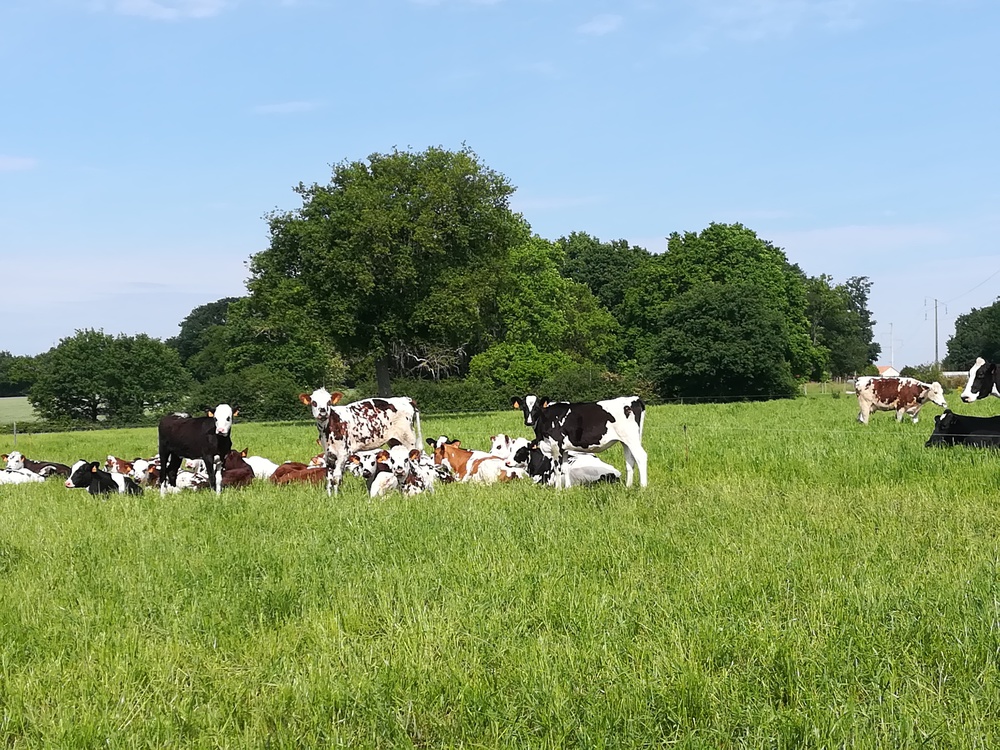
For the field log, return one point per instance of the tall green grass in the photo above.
(789, 579)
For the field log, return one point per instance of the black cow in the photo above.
(89, 474)
(587, 427)
(983, 381)
(961, 429)
(182, 436)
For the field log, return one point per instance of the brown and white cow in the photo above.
(901, 395)
(361, 425)
(472, 466)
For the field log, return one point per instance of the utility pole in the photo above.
(892, 357)
(936, 360)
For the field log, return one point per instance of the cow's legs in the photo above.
(209, 460)
(168, 475)
(334, 473)
(635, 457)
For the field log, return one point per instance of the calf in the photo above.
(99, 482)
(580, 468)
(983, 381)
(120, 465)
(19, 476)
(383, 480)
(15, 460)
(471, 466)
(182, 437)
(305, 474)
(587, 427)
(361, 425)
(902, 395)
(959, 429)
(505, 446)
(236, 472)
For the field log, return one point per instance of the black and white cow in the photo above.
(359, 426)
(983, 381)
(960, 429)
(587, 427)
(580, 468)
(89, 474)
(182, 436)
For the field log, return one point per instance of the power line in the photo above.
(973, 288)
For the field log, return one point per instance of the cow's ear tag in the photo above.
(211, 413)
(93, 469)
(236, 413)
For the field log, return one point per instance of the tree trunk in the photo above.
(382, 377)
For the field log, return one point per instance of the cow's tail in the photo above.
(641, 408)
(416, 419)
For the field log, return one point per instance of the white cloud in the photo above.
(753, 20)
(165, 10)
(16, 163)
(286, 108)
(600, 25)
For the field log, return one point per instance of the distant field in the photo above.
(789, 579)
(15, 409)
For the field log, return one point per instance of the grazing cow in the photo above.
(15, 460)
(361, 425)
(99, 482)
(182, 437)
(983, 381)
(960, 429)
(902, 395)
(236, 472)
(472, 466)
(580, 468)
(587, 427)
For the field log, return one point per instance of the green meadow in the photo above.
(789, 579)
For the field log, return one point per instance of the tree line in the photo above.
(410, 272)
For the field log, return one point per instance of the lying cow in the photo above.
(902, 395)
(16, 461)
(983, 381)
(960, 429)
(579, 468)
(472, 466)
(99, 482)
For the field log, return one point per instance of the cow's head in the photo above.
(15, 461)
(79, 475)
(944, 424)
(320, 402)
(440, 445)
(531, 407)
(223, 414)
(982, 378)
(935, 394)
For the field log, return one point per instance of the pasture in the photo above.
(790, 578)
(16, 409)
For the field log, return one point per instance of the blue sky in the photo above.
(142, 142)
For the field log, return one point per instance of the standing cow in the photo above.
(182, 436)
(587, 427)
(361, 425)
(901, 395)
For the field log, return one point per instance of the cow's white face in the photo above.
(223, 418)
(15, 461)
(970, 394)
(935, 394)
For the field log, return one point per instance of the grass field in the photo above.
(789, 579)
(15, 409)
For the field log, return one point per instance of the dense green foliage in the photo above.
(789, 579)
(412, 266)
(977, 334)
(93, 375)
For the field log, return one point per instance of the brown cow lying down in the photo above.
(472, 466)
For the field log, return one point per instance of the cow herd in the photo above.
(906, 396)
(378, 440)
